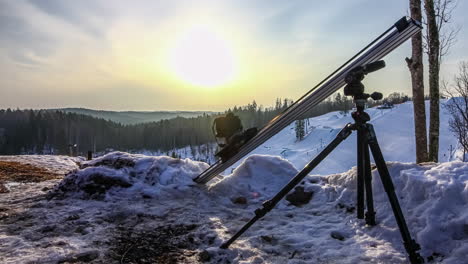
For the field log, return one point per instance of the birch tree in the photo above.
(438, 40)
(415, 65)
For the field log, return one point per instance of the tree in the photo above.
(300, 129)
(415, 66)
(437, 44)
(457, 106)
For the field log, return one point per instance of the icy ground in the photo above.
(124, 208)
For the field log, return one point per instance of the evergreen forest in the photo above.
(54, 131)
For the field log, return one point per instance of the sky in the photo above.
(192, 55)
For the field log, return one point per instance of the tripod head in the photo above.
(355, 88)
(353, 79)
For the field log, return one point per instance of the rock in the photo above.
(3, 188)
(47, 229)
(299, 197)
(240, 200)
(60, 243)
(146, 196)
(73, 217)
(204, 256)
(435, 257)
(100, 183)
(349, 208)
(268, 239)
(337, 235)
(117, 163)
(45, 189)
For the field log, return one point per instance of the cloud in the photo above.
(83, 14)
(19, 39)
(100, 47)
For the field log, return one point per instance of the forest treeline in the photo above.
(53, 132)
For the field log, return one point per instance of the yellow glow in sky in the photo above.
(201, 57)
(189, 55)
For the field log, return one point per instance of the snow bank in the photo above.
(258, 177)
(130, 173)
(434, 199)
(437, 200)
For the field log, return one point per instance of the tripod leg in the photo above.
(270, 204)
(360, 172)
(410, 244)
(370, 214)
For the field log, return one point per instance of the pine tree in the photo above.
(300, 129)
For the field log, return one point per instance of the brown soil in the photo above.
(163, 244)
(20, 172)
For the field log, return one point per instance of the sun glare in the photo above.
(202, 57)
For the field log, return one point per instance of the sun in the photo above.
(202, 57)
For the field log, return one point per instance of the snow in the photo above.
(394, 129)
(145, 193)
(150, 176)
(257, 178)
(106, 208)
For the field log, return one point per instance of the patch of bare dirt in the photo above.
(164, 244)
(20, 172)
(3, 188)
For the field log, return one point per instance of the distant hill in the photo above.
(133, 117)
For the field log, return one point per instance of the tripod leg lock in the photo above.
(371, 136)
(346, 131)
(370, 218)
(267, 206)
(412, 247)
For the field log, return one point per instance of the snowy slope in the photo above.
(122, 208)
(394, 129)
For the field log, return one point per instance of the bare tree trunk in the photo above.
(433, 49)
(415, 66)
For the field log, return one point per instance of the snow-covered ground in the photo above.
(394, 129)
(130, 208)
(121, 207)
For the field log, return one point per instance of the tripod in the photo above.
(366, 139)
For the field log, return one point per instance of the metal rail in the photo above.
(392, 38)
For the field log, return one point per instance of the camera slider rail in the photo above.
(392, 38)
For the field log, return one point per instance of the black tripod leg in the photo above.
(270, 204)
(370, 214)
(360, 173)
(410, 245)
